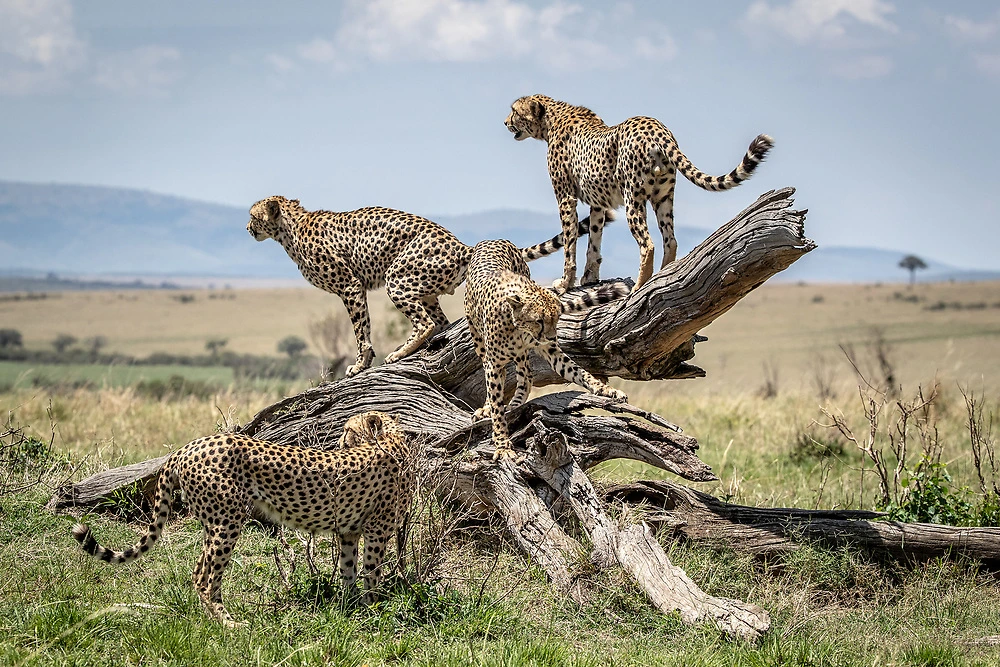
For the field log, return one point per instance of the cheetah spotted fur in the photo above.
(352, 252)
(509, 315)
(363, 489)
(607, 167)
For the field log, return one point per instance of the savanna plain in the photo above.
(782, 365)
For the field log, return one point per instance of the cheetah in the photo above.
(352, 252)
(607, 167)
(363, 489)
(509, 315)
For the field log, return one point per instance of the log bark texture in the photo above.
(694, 515)
(649, 335)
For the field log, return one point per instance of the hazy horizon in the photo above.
(882, 111)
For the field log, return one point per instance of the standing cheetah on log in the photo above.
(509, 316)
(350, 253)
(622, 165)
(364, 488)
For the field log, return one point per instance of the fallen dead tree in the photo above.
(768, 531)
(650, 335)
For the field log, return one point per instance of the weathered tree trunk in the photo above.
(768, 531)
(649, 335)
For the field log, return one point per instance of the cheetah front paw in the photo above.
(506, 452)
(610, 392)
(481, 413)
(393, 357)
(563, 284)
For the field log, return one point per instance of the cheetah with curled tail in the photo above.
(510, 315)
(622, 165)
(352, 252)
(364, 489)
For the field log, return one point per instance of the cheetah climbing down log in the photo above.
(510, 316)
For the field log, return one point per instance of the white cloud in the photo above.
(280, 63)
(988, 63)
(861, 67)
(39, 46)
(145, 70)
(318, 51)
(559, 34)
(977, 35)
(41, 52)
(659, 48)
(821, 22)
(967, 30)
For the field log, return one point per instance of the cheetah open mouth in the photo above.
(518, 134)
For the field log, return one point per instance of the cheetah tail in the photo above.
(754, 156)
(556, 242)
(595, 295)
(164, 491)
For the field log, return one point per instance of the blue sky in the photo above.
(884, 112)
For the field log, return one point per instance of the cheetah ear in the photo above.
(537, 109)
(516, 303)
(375, 426)
(273, 209)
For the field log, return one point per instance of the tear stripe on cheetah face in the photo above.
(605, 167)
(352, 252)
(509, 315)
(365, 489)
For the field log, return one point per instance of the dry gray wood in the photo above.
(98, 489)
(695, 515)
(634, 547)
(649, 335)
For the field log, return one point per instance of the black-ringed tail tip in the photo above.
(81, 533)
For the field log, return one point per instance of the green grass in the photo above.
(26, 374)
(828, 608)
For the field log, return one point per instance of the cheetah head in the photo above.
(536, 313)
(265, 217)
(526, 117)
(368, 427)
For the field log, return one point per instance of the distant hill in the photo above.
(103, 233)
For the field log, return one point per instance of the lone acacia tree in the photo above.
(650, 335)
(911, 263)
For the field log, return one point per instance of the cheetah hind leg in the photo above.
(216, 553)
(662, 200)
(375, 541)
(635, 213)
(423, 326)
(348, 564)
(592, 270)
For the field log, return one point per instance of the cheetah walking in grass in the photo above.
(364, 488)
